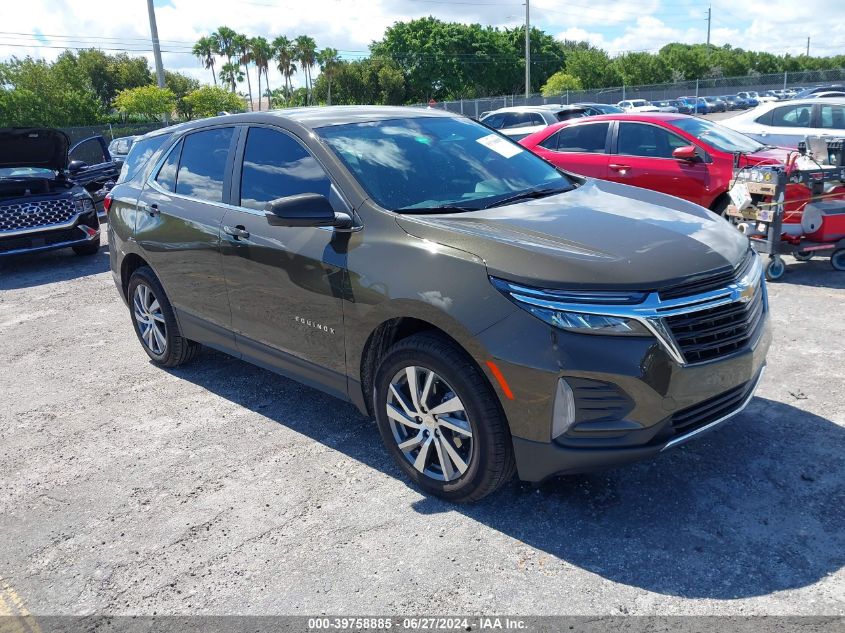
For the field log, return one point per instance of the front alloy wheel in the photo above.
(149, 319)
(429, 423)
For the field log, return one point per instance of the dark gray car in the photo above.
(491, 313)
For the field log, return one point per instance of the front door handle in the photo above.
(619, 168)
(238, 232)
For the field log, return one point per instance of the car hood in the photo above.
(33, 147)
(770, 155)
(601, 234)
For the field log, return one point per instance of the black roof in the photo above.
(315, 116)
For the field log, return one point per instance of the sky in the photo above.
(43, 28)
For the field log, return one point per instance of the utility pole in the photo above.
(808, 46)
(709, 16)
(527, 53)
(156, 47)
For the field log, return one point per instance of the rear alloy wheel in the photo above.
(155, 322)
(441, 420)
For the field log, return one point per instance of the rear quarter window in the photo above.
(139, 156)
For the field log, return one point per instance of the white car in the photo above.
(785, 123)
(520, 121)
(637, 105)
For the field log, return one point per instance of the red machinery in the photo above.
(761, 206)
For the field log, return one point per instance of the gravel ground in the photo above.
(220, 488)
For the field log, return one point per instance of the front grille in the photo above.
(38, 213)
(710, 410)
(715, 332)
(708, 282)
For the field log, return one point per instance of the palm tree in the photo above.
(328, 60)
(224, 39)
(306, 55)
(244, 55)
(262, 53)
(205, 50)
(231, 73)
(285, 58)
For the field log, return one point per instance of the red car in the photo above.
(681, 155)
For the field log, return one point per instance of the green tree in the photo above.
(149, 102)
(210, 100)
(641, 68)
(285, 54)
(328, 59)
(230, 73)
(559, 83)
(180, 85)
(592, 67)
(205, 51)
(262, 53)
(243, 51)
(306, 56)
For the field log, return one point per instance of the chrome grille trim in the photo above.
(653, 312)
(23, 217)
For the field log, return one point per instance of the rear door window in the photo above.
(588, 138)
(202, 167)
(791, 116)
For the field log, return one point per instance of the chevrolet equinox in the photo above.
(492, 313)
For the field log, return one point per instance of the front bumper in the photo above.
(83, 228)
(633, 398)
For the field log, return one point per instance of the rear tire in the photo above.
(471, 436)
(155, 321)
(837, 260)
(803, 256)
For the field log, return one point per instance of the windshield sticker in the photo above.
(500, 145)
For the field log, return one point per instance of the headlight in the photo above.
(552, 306)
(84, 204)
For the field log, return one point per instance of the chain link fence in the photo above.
(656, 92)
(110, 131)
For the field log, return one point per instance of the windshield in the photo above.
(718, 136)
(26, 172)
(436, 162)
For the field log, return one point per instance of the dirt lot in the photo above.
(222, 488)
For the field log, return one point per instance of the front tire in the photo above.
(155, 321)
(440, 419)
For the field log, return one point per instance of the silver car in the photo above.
(786, 123)
(520, 121)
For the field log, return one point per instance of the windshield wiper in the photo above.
(446, 208)
(528, 195)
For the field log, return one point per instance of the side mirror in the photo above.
(305, 209)
(75, 166)
(687, 152)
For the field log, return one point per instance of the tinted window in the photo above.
(516, 119)
(583, 138)
(832, 117)
(494, 120)
(636, 139)
(791, 116)
(537, 119)
(203, 164)
(550, 142)
(89, 151)
(277, 166)
(139, 155)
(166, 178)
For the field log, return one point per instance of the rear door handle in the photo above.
(618, 167)
(152, 209)
(238, 232)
